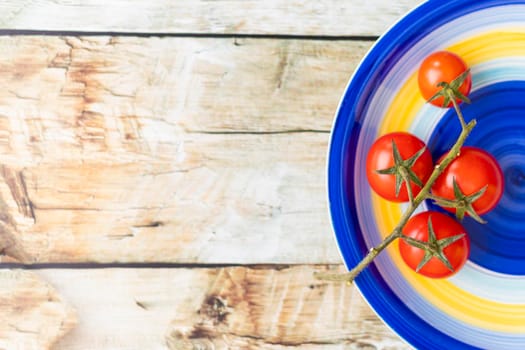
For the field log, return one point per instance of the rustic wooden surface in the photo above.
(162, 173)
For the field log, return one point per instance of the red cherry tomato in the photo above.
(380, 156)
(442, 66)
(473, 169)
(444, 227)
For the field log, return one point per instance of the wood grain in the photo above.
(169, 150)
(240, 200)
(276, 307)
(32, 315)
(297, 17)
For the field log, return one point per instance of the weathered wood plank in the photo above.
(32, 315)
(238, 199)
(73, 90)
(178, 150)
(300, 17)
(228, 308)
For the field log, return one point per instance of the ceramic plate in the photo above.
(482, 306)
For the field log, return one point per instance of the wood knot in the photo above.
(215, 309)
(177, 340)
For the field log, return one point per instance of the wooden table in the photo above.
(162, 173)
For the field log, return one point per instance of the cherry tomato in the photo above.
(443, 227)
(442, 66)
(472, 170)
(381, 156)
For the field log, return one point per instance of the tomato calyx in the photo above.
(403, 170)
(450, 91)
(462, 203)
(434, 248)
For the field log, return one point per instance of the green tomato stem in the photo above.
(406, 181)
(414, 203)
(452, 96)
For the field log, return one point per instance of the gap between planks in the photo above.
(31, 32)
(154, 265)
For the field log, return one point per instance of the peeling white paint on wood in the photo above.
(299, 17)
(217, 308)
(32, 315)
